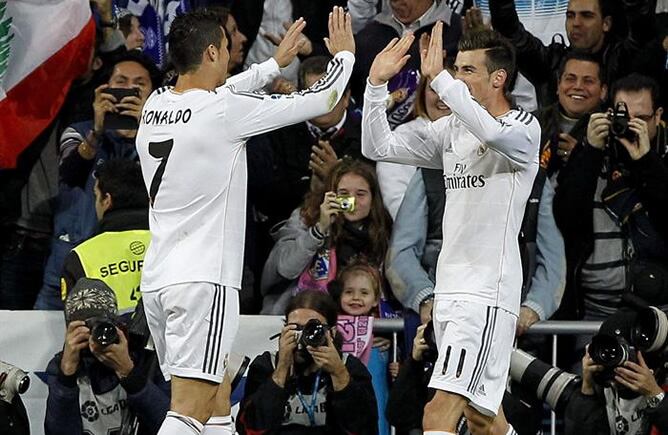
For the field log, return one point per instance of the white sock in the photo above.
(177, 424)
(219, 426)
(438, 432)
(511, 430)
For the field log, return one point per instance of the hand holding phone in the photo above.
(121, 108)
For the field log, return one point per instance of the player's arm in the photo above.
(249, 114)
(260, 75)
(518, 141)
(411, 146)
(256, 77)
(418, 147)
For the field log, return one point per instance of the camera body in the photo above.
(619, 122)
(313, 334)
(103, 330)
(610, 351)
(347, 203)
(12, 380)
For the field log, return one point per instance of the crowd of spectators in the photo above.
(595, 228)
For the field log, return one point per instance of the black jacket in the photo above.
(548, 118)
(266, 406)
(587, 415)
(574, 204)
(540, 63)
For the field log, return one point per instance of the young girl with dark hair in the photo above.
(324, 235)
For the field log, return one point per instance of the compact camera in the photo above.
(347, 203)
(103, 330)
(12, 380)
(619, 122)
(313, 334)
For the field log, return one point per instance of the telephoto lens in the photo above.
(550, 384)
(13, 380)
(650, 331)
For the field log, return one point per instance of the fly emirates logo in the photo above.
(460, 180)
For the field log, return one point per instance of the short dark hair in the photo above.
(122, 179)
(311, 66)
(317, 301)
(635, 83)
(581, 56)
(142, 59)
(190, 34)
(499, 52)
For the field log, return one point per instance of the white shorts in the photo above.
(193, 326)
(475, 343)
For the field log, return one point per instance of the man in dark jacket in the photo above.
(611, 207)
(98, 389)
(588, 27)
(116, 254)
(308, 387)
(580, 91)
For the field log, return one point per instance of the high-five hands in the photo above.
(293, 41)
(390, 60)
(340, 32)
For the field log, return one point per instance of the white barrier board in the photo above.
(29, 339)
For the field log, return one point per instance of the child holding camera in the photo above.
(308, 386)
(344, 221)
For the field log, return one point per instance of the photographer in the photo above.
(308, 387)
(100, 383)
(86, 145)
(619, 399)
(614, 191)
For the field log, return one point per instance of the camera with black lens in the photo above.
(619, 122)
(313, 334)
(550, 384)
(103, 330)
(430, 354)
(610, 351)
(13, 380)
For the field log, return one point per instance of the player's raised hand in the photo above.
(389, 62)
(432, 56)
(292, 42)
(340, 32)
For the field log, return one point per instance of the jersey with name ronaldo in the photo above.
(489, 165)
(192, 152)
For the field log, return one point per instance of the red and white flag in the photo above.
(44, 46)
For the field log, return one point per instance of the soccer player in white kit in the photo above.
(489, 156)
(191, 144)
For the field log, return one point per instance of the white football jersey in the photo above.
(192, 151)
(489, 165)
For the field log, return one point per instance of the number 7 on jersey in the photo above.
(159, 150)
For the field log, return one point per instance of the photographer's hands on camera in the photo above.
(638, 378)
(326, 358)
(598, 131)
(106, 103)
(114, 356)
